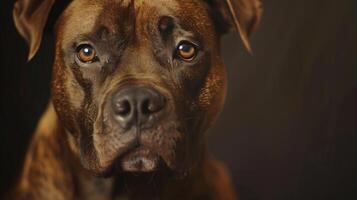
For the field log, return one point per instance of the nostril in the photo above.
(149, 107)
(122, 107)
(145, 107)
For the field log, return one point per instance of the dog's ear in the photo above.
(30, 17)
(240, 15)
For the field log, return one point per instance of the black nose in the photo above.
(135, 105)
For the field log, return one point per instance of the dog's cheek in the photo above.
(65, 93)
(212, 95)
(207, 107)
(75, 93)
(60, 97)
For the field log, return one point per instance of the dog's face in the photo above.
(137, 83)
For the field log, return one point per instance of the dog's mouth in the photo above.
(139, 159)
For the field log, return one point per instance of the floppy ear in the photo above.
(240, 15)
(30, 18)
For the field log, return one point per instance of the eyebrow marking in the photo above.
(166, 24)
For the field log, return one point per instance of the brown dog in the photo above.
(136, 84)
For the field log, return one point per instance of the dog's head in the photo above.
(137, 83)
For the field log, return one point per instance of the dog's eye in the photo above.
(86, 53)
(186, 51)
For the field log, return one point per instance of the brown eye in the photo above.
(86, 53)
(186, 51)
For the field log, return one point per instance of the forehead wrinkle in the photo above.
(148, 14)
(188, 25)
(154, 8)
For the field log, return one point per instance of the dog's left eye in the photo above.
(186, 51)
(86, 53)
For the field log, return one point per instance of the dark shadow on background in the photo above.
(289, 127)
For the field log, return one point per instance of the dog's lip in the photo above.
(140, 159)
(131, 157)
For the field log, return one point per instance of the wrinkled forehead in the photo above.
(85, 16)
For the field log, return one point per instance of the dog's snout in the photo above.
(135, 105)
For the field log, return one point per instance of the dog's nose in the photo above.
(135, 105)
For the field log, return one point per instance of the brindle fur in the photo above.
(75, 141)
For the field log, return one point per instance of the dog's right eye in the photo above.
(86, 53)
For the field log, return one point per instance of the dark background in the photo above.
(289, 127)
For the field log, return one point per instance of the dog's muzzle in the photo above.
(132, 114)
